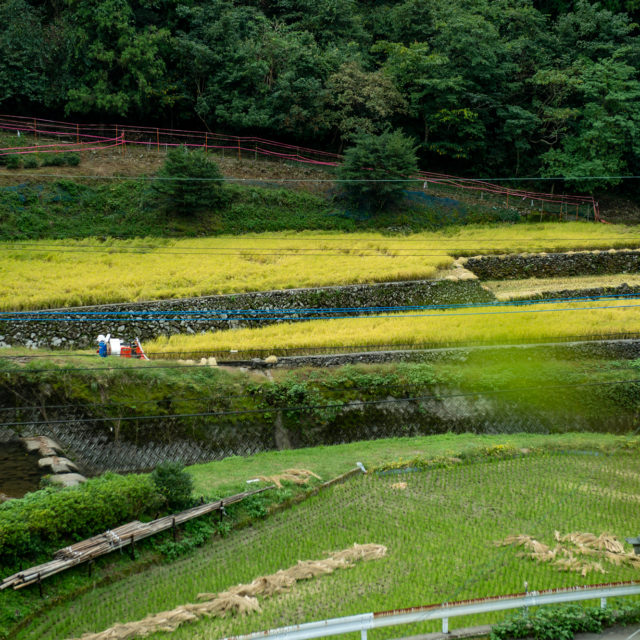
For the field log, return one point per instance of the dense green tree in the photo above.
(189, 182)
(376, 169)
(595, 120)
(486, 87)
(435, 93)
(22, 52)
(359, 101)
(250, 72)
(174, 484)
(120, 69)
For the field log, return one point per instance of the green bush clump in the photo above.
(174, 484)
(30, 161)
(189, 182)
(45, 520)
(562, 623)
(71, 159)
(53, 160)
(13, 161)
(376, 170)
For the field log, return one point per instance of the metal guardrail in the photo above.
(365, 621)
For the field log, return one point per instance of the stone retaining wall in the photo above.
(595, 292)
(553, 265)
(65, 333)
(624, 349)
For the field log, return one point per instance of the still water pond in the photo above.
(19, 472)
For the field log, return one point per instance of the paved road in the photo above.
(615, 633)
(482, 633)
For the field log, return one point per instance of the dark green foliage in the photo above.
(174, 484)
(562, 623)
(30, 161)
(71, 159)
(489, 87)
(52, 160)
(44, 520)
(189, 182)
(376, 170)
(13, 161)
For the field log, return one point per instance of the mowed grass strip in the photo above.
(61, 273)
(439, 530)
(432, 327)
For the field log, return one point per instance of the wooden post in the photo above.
(35, 130)
(577, 205)
(132, 548)
(239, 155)
(255, 151)
(507, 198)
(158, 139)
(206, 142)
(77, 134)
(40, 584)
(173, 528)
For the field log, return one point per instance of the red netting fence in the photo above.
(51, 136)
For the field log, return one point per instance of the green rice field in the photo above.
(440, 531)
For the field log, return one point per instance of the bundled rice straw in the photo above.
(240, 599)
(297, 476)
(605, 547)
(399, 485)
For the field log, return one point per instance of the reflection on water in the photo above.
(19, 472)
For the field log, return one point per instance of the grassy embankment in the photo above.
(157, 387)
(91, 271)
(439, 530)
(523, 389)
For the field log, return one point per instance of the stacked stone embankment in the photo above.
(64, 332)
(553, 265)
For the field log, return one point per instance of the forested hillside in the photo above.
(486, 87)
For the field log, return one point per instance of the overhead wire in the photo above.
(292, 313)
(351, 404)
(256, 237)
(295, 310)
(349, 348)
(435, 179)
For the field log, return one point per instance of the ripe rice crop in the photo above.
(61, 273)
(434, 327)
(439, 533)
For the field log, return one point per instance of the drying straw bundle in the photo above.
(240, 599)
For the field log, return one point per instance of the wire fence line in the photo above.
(482, 192)
(121, 441)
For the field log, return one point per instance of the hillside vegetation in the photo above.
(486, 87)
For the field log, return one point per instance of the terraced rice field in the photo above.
(430, 327)
(439, 529)
(92, 271)
(530, 287)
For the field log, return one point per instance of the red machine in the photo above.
(108, 346)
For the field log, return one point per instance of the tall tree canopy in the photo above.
(483, 87)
